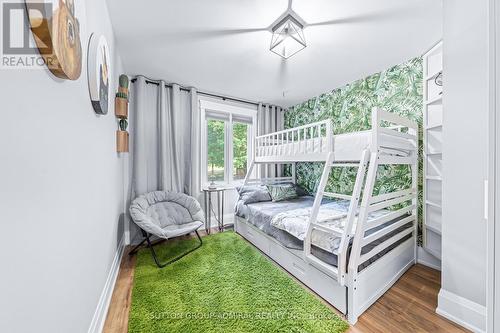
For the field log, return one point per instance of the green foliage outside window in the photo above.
(240, 150)
(215, 150)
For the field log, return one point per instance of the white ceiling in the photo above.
(222, 46)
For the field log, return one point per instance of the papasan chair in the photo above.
(166, 215)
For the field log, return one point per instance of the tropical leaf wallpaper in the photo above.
(398, 90)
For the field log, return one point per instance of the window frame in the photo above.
(229, 109)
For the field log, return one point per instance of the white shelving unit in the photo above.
(433, 142)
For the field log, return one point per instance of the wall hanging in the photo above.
(122, 136)
(56, 31)
(121, 98)
(121, 112)
(99, 70)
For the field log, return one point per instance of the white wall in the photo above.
(465, 157)
(61, 195)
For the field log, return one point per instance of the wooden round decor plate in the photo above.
(57, 34)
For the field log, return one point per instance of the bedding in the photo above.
(295, 221)
(252, 194)
(281, 192)
(324, 245)
(260, 214)
(330, 215)
(259, 193)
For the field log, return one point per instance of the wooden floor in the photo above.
(409, 306)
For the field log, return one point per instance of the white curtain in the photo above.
(165, 138)
(270, 118)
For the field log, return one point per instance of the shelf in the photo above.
(434, 127)
(435, 100)
(433, 152)
(434, 228)
(433, 204)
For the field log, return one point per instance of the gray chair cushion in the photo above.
(167, 214)
(182, 229)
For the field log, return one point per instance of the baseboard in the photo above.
(427, 259)
(462, 311)
(101, 311)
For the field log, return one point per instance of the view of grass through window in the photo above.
(216, 163)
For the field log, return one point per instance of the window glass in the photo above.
(215, 150)
(240, 150)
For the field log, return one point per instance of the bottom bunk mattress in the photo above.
(324, 245)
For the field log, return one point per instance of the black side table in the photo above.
(207, 193)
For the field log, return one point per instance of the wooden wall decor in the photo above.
(121, 98)
(99, 72)
(122, 141)
(121, 107)
(56, 31)
(121, 112)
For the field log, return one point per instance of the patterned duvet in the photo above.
(290, 215)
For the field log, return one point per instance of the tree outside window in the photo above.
(215, 150)
(216, 145)
(240, 150)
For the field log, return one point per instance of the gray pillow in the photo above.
(252, 194)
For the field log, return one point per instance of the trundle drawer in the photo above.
(324, 285)
(252, 235)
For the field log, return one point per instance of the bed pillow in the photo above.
(300, 191)
(282, 192)
(253, 194)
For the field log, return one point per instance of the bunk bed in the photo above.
(374, 235)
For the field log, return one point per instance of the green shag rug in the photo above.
(225, 286)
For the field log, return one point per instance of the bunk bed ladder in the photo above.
(363, 214)
(340, 271)
(342, 257)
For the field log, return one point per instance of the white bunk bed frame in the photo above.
(350, 291)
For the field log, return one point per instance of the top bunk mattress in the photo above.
(348, 146)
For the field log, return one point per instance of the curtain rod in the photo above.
(224, 98)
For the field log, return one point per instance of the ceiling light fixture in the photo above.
(288, 35)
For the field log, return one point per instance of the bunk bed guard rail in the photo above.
(311, 142)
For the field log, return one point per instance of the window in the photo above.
(227, 141)
(240, 150)
(215, 150)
